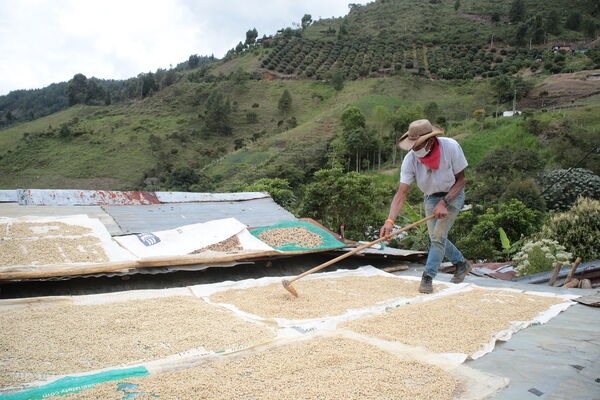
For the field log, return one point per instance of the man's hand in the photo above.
(440, 210)
(386, 229)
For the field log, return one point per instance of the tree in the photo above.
(353, 200)
(284, 105)
(149, 85)
(536, 26)
(521, 35)
(193, 61)
(382, 124)
(337, 80)
(432, 111)
(400, 121)
(217, 114)
(182, 179)
(573, 21)
(517, 11)
(278, 188)
(589, 27)
(456, 5)
(553, 22)
(352, 118)
(251, 36)
(239, 78)
(77, 89)
(306, 21)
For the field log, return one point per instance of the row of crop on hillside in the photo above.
(315, 59)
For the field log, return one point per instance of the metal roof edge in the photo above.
(9, 196)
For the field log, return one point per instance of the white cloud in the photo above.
(46, 41)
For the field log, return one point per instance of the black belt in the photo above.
(438, 194)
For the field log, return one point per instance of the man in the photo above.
(437, 164)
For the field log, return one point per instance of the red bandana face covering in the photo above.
(432, 160)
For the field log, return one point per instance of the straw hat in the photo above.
(418, 132)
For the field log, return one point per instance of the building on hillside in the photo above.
(563, 48)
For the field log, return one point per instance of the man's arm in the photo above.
(440, 210)
(395, 208)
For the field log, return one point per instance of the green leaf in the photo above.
(504, 239)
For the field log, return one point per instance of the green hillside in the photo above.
(158, 130)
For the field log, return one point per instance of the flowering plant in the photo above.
(540, 256)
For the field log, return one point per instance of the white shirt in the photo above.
(452, 161)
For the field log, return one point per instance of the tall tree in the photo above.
(573, 21)
(553, 22)
(456, 5)
(337, 80)
(306, 20)
(517, 11)
(251, 36)
(77, 89)
(400, 121)
(149, 84)
(284, 105)
(193, 61)
(217, 115)
(589, 27)
(382, 124)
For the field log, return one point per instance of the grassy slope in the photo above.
(115, 149)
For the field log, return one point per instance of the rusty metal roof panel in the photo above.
(158, 217)
(8, 196)
(52, 197)
(188, 197)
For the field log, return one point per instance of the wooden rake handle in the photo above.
(364, 246)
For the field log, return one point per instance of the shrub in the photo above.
(353, 200)
(540, 256)
(562, 187)
(577, 229)
(278, 188)
(527, 191)
(476, 231)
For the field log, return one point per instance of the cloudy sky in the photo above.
(46, 41)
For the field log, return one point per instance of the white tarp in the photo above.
(293, 327)
(47, 230)
(188, 238)
(474, 384)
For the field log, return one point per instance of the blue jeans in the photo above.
(438, 233)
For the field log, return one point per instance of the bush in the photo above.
(561, 187)
(279, 189)
(540, 256)
(353, 200)
(577, 229)
(527, 191)
(476, 231)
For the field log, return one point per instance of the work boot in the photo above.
(462, 269)
(426, 285)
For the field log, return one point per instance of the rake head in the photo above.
(288, 286)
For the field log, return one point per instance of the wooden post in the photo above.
(572, 271)
(557, 268)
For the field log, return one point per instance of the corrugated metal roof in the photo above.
(76, 197)
(52, 197)
(544, 277)
(185, 197)
(158, 217)
(8, 196)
